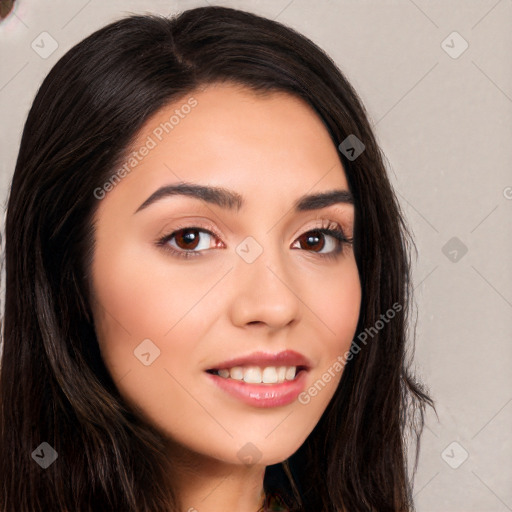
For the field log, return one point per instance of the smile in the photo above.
(258, 375)
(262, 379)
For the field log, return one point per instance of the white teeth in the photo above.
(257, 375)
(236, 373)
(290, 373)
(269, 375)
(252, 375)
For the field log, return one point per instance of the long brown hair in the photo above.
(54, 386)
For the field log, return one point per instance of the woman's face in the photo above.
(198, 298)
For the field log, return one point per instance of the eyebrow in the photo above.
(231, 200)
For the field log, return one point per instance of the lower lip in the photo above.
(263, 395)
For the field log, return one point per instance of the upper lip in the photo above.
(264, 359)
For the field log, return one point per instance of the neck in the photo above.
(204, 484)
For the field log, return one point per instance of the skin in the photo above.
(213, 307)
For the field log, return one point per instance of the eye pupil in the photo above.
(187, 237)
(314, 240)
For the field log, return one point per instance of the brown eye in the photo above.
(328, 241)
(313, 240)
(187, 239)
(190, 241)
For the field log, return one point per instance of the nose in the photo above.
(264, 293)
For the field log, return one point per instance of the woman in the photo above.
(207, 278)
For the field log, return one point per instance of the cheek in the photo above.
(337, 305)
(146, 295)
(139, 295)
(337, 308)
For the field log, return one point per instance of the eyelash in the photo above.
(332, 229)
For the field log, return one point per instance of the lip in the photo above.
(262, 395)
(264, 359)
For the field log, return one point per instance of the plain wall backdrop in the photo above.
(436, 78)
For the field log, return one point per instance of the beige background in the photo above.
(444, 120)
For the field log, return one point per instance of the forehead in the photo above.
(273, 145)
